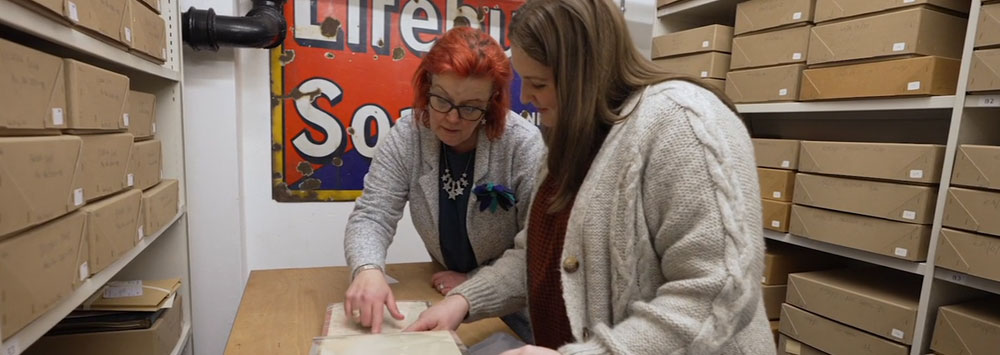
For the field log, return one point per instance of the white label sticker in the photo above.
(899, 46)
(786, 164)
(910, 215)
(125, 119)
(783, 92)
(916, 174)
(705, 44)
(78, 197)
(704, 74)
(128, 34)
(11, 347)
(131, 180)
(796, 56)
(73, 14)
(913, 85)
(898, 334)
(122, 289)
(84, 271)
(776, 194)
(57, 116)
(154, 127)
(142, 233)
(908, 1)
(901, 252)
(793, 347)
(763, 279)
(989, 101)
(797, 16)
(776, 224)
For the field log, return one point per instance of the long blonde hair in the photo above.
(596, 69)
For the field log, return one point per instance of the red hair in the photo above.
(467, 52)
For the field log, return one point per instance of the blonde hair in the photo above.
(596, 69)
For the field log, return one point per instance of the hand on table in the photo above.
(445, 281)
(446, 315)
(530, 350)
(367, 298)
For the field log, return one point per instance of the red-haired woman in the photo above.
(462, 161)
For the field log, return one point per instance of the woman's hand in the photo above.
(530, 350)
(367, 298)
(446, 280)
(446, 315)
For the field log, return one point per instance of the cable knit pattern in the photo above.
(667, 231)
(405, 170)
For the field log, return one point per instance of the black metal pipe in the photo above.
(263, 27)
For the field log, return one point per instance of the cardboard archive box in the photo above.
(96, 97)
(970, 253)
(776, 184)
(890, 238)
(159, 206)
(898, 202)
(712, 38)
(984, 75)
(977, 166)
(828, 10)
(988, 30)
(759, 15)
(112, 228)
(40, 180)
(787, 46)
(34, 90)
(774, 296)
(713, 65)
(108, 19)
(911, 31)
(917, 163)
(105, 164)
(877, 301)
(776, 215)
(149, 32)
(140, 112)
(832, 337)
(770, 84)
(972, 210)
(898, 77)
(789, 346)
(776, 153)
(145, 164)
(782, 259)
(968, 328)
(39, 268)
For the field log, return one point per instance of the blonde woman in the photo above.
(644, 233)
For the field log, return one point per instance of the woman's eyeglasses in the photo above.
(443, 105)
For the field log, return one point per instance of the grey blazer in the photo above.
(405, 169)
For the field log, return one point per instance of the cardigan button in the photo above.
(571, 264)
(586, 333)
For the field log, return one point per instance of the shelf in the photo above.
(967, 280)
(871, 258)
(62, 34)
(27, 336)
(895, 104)
(185, 336)
(698, 8)
(982, 101)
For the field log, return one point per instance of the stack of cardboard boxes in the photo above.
(970, 241)
(968, 328)
(865, 48)
(769, 51)
(701, 53)
(129, 24)
(985, 71)
(777, 161)
(876, 197)
(66, 168)
(780, 260)
(850, 311)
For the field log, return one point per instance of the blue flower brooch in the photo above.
(491, 195)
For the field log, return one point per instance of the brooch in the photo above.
(492, 195)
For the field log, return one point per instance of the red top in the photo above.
(546, 233)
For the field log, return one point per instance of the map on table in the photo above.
(338, 323)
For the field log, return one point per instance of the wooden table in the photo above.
(283, 310)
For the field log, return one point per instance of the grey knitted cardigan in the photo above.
(405, 169)
(665, 234)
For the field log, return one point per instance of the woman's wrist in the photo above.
(365, 267)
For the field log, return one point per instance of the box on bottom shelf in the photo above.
(969, 328)
(39, 268)
(160, 339)
(832, 337)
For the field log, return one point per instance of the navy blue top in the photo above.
(455, 246)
